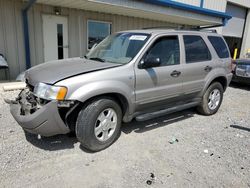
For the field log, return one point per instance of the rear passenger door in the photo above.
(198, 65)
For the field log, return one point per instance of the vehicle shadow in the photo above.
(58, 142)
(240, 86)
(61, 142)
(141, 127)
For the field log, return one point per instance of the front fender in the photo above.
(90, 90)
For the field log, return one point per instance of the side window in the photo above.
(219, 46)
(196, 49)
(166, 49)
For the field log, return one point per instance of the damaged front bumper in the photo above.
(35, 118)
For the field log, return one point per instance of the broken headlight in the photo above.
(50, 92)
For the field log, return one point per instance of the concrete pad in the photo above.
(9, 86)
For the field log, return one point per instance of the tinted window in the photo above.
(167, 49)
(97, 31)
(219, 46)
(196, 49)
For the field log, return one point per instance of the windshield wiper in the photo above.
(97, 59)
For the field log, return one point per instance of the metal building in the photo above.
(36, 31)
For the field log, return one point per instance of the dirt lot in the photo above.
(143, 148)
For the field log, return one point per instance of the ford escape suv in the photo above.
(139, 74)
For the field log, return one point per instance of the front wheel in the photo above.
(212, 99)
(98, 124)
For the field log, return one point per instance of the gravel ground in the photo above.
(211, 152)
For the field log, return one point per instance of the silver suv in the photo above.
(139, 74)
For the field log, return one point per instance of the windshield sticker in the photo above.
(138, 37)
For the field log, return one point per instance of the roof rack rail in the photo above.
(199, 28)
(163, 27)
(210, 30)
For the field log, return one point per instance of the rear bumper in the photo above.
(46, 121)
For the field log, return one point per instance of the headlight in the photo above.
(50, 92)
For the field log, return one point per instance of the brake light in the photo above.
(232, 65)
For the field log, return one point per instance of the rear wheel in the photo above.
(212, 99)
(98, 124)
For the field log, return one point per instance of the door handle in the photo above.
(175, 73)
(208, 68)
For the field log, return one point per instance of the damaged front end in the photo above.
(40, 116)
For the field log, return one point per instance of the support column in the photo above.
(246, 37)
(26, 32)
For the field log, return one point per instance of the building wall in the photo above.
(218, 5)
(11, 36)
(11, 31)
(77, 20)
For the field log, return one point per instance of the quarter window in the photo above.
(196, 49)
(97, 31)
(167, 50)
(219, 46)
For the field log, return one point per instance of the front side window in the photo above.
(196, 49)
(219, 46)
(97, 31)
(119, 48)
(166, 49)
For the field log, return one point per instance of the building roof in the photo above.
(159, 10)
(191, 8)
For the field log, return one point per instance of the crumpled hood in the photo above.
(54, 71)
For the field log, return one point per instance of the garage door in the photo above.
(235, 26)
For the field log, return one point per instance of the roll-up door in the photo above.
(235, 26)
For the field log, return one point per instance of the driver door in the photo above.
(160, 86)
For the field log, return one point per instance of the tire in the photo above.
(209, 107)
(98, 124)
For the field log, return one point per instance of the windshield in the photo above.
(120, 48)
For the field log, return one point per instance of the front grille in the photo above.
(243, 70)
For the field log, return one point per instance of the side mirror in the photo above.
(150, 62)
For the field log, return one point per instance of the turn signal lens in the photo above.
(61, 93)
(232, 65)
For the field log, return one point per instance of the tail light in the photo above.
(232, 65)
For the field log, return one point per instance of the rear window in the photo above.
(219, 46)
(196, 49)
